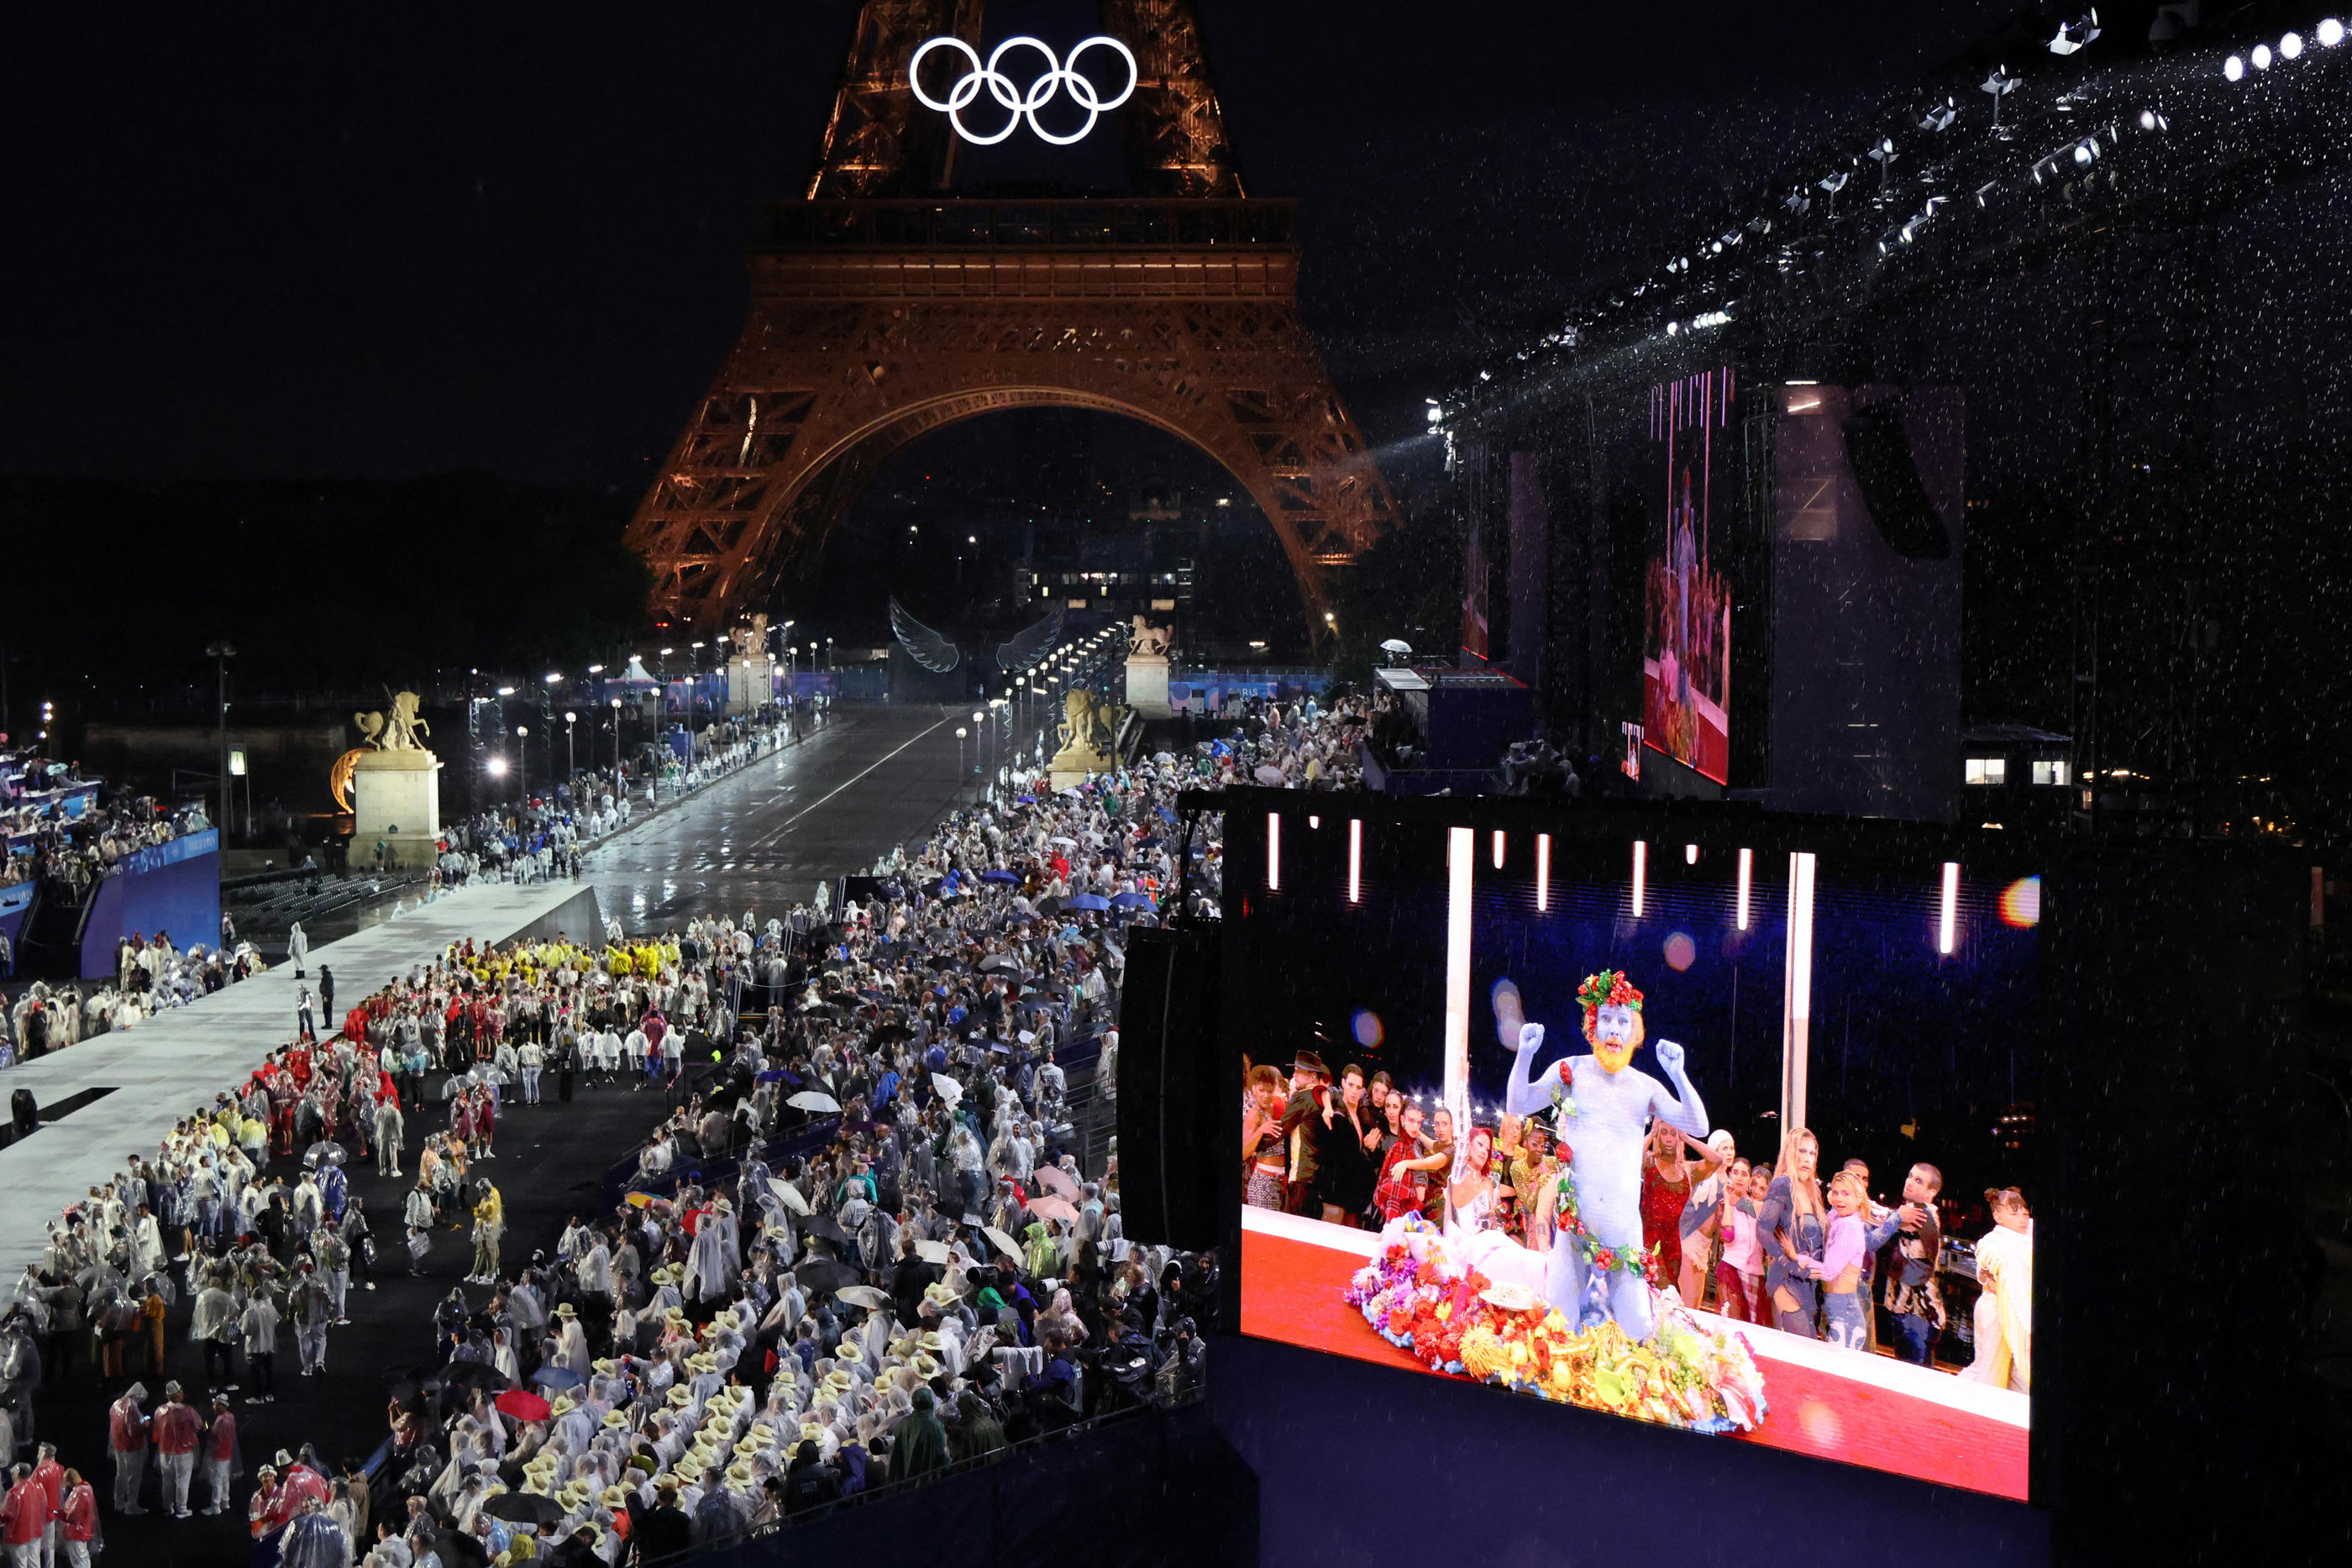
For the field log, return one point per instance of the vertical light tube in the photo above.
(1690, 854)
(1543, 872)
(1747, 877)
(1499, 849)
(1641, 876)
(1355, 860)
(1314, 822)
(1274, 851)
(1462, 851)
(1797, 994)
(1947, 920)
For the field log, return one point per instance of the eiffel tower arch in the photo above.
(882, 310)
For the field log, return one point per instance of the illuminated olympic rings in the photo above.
(1024, 105)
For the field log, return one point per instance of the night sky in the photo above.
(271, 240)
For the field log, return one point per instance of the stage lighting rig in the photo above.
(2330, 33)
(2073, 35)
(1939, 116)
(1999, 85)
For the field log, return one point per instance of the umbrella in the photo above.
(1003, 1242)
(823, 1224)
(1267, 773)
(525, 1508)
(455, 1549)
(863, 1296)
(324, 1154)
(890, 1034)
(1061, 839)
(1086, 901)
(1052, 1207)
(810, 1099)
(823, 1276)
(522, 1405)
(1128, 901)
(556, 1378)
(789, 1194)
(998, 875)
(942, 960)
(1396, 645)
(996, 963)
(933, 1251)
(1054, 1179)
(948, 1088)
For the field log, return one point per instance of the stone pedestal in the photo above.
(396, 801)
(751, 683)
(1071, 764)
(1147, 685)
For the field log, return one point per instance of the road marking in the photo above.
(769, 837)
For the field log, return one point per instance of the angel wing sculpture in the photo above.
(1030, 645)
(932, 650)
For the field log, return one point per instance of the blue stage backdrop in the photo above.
(172, 887)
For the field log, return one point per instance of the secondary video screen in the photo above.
(1686, 603)
(1723, 1136)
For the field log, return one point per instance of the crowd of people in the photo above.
(74, 853)
(1764, 1242)
(863, 1245)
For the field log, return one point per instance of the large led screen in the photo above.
(1686, 603)
(1732, 1136)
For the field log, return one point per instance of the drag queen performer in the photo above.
(1604, 1109)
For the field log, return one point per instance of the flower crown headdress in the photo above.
(1610, 987)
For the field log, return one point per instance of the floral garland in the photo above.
(1608, 1260)
(1415, 1295)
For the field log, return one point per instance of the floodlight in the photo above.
(2330, 33)
(2261, 55)
(2233, 67)
(2291, 47)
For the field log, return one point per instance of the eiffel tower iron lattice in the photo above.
(882, 309)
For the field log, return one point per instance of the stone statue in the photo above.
(1147, 641)
(752, 639)
(1086, 723)
(397, 729)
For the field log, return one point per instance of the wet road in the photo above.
(874, 777)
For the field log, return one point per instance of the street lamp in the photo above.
(616, 743)
(570, 755)
(522, 757)
(961, 733)
(979, 749)
(220, 654)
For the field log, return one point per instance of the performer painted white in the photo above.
(1603, 1111)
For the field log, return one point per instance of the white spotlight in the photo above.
(2234, 68)
(2291, 47)
(1641, 876)
(1947, 918)
(2330, 33)
(2261, 55)
(1746, 875)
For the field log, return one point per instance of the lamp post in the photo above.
(571, 752)
(961, 733)
(220, 654)
(693, 679)
(978, 752)
(522, 757)
(616, 743)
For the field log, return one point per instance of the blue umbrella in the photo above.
(998, 876)
(1086, 901)
(552, 1376)
(1129, 900)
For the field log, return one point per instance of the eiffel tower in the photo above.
(883, 308)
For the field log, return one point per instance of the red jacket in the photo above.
(78, 1518)
(176, 1429)
(26, 1513)
(52, 1477)
(220, 1437)
(126, 1430)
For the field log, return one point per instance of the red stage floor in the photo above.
(1290, 1292)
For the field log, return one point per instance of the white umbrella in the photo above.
(949, 1088)
(1396, 645)
(810, 1099)
(862, 1296)
(1003, 1242)
(1065, 839)
(933, 1252)
(789, 1194)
